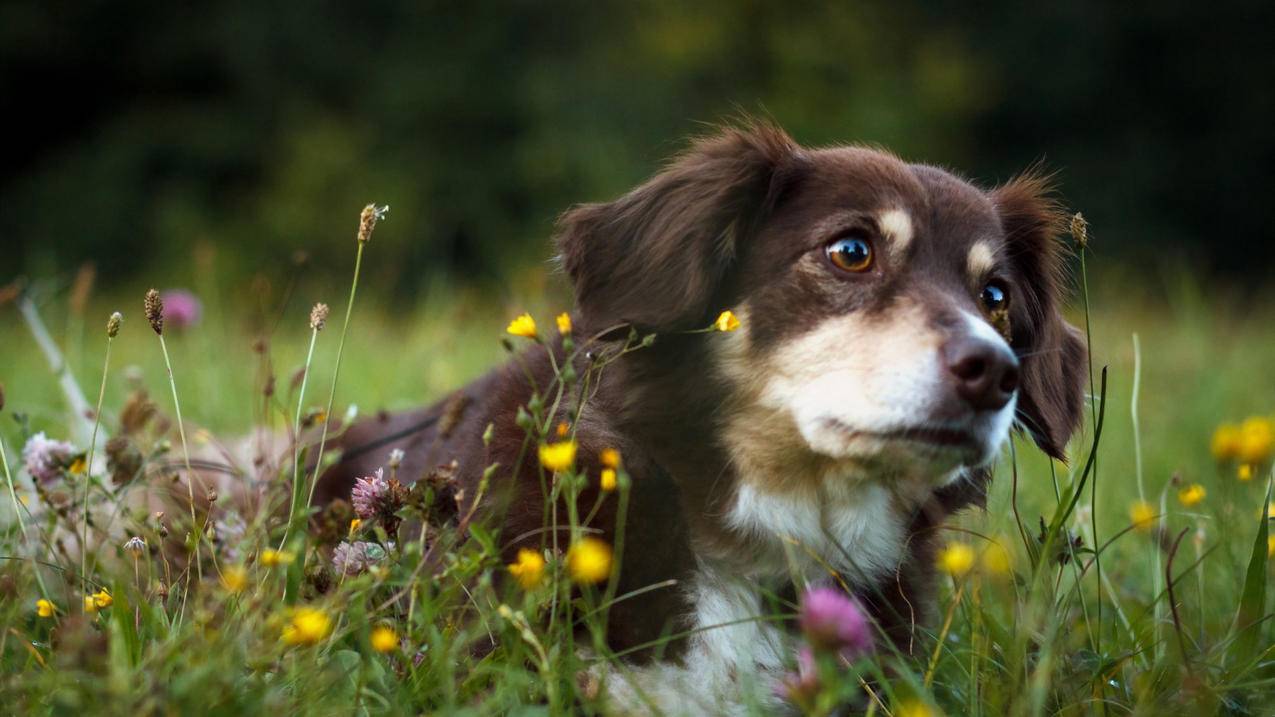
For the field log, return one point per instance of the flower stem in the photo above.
(88, 466)
(296, 439)
(190, 474)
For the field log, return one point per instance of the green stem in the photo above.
(190, 473)
(88, 466)
(296, 440)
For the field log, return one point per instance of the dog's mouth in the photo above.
(929, 439)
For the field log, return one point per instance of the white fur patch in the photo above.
(896, 224)
(980, 260)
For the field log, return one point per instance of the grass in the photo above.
(270, 632)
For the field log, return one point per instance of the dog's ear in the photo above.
(1052, 352)
(656, 256)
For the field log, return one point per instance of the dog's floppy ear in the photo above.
(1053, 352)
(656, 256)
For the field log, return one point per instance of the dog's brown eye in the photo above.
(994, 297)
(851, 252)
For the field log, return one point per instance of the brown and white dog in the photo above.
(897, 321)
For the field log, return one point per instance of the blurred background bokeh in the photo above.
(171, 139)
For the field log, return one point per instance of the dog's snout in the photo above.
(985, 375)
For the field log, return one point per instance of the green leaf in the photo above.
(1248, 618)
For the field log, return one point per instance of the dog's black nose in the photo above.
(985, 375)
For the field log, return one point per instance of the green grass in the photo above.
(1033, 644)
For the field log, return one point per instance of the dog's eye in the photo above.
(851, 252)
(994, 297)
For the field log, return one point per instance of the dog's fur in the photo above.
(823, 434)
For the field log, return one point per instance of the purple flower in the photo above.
(181, 308)
(800, 687)
(369, 493)
(46, 458)
(831, 620)
(354, 558)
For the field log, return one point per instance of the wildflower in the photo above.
(528, 569)
(956, 559)
(1142, 515)
(354, 558)
(564, 323)
(102, 599)
(1192, 495)
(181, 308)
(801, 687)
(1225, 444)
(523, 325)
(1244, 472)
(1257, 439)
(726, 321)
(589, 561)
(78, 466)
(914, 707)
(135, 545)
(396, 458)
(368, 218)
(45, 608)
(306, 626)
(607, 481)
(355, 524)
(318, 316)
(563, 429)
(45, 458)
(234, 579)
(113, 325)
(271, 558)
(558, 456)
(375, 497)
(996, 560)
(831, 620)
(384, 639)
(609, 457)
(154, 308)
(90, 605)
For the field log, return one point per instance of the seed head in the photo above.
(319, 316)
(113, 325)
(1080, 230)
(135, 545)
(154, 311)
(367, 221)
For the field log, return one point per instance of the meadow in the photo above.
(1166, 616)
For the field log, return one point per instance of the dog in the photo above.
(896, 323)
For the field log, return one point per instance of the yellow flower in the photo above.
(77, 466)
(1142, 515)
(564, 323)
(1257, 438)
(384, 639)
(528, 569)
(306, 626)
(524, 326)
(915, 708)
(609, 457)
(558, 456)
(1226, 442)
(1245, 472)
(589, 561)
(996, 560)
(234, 579)
(355, 524)
(271, 558)
(102, 599)
(1192, 495)
(607, 481)
(45, 608)
(90, 605)
(563, 429)
(726, 322)
(956, 559)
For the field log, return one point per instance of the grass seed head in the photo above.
(154, 307)
(113, 325)
(367, 221)
(1080, 230)
(319, 316)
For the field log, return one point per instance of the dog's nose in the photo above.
(985, 375)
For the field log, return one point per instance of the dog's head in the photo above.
(895, 318)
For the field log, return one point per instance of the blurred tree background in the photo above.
(144, 133)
